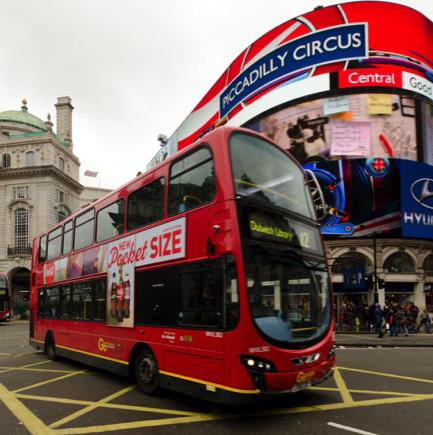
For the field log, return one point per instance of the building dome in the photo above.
(22, 117)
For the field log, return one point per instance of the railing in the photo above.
(19, 250)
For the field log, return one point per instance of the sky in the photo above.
(134, 69)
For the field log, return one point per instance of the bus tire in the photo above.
(146, 372)
(50, 347)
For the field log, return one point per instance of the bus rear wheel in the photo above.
(50, 347)
(146, 372)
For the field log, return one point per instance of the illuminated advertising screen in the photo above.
(347, 126)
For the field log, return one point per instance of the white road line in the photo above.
(350, 429)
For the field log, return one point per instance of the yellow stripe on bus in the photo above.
(93, 354)
(37, 341)
(209, 384)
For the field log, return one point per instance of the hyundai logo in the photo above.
(422, 192)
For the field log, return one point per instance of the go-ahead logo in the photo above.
(422, 192)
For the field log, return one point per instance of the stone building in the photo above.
(39, 186)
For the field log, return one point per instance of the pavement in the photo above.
(372, 340)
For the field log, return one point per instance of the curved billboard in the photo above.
(349, 93)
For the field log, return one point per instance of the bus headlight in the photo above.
(252, 363)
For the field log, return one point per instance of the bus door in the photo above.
(184, 303)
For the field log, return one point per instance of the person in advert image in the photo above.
(113, 297)
(127, 299)
(120, 295)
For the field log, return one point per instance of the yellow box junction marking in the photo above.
(36, 426)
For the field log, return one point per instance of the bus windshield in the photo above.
(264, 173)
(289, 294)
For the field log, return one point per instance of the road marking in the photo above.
(350, 429)
(385, 393)
(342, 387)
(39, 370)
(106, 405)
(91, 407)
(13, 355)
(11, 369)
(207, 417)
(39, 384)
(184, 417)
(32, 423)
(387, 375)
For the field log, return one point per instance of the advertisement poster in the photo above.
(77, 265)
(356, 197)
(416, 199)
(320, 128)
(161, 243)
(120, 281)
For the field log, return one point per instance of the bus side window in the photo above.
(192, 182)
(99, 295)
(51, 303)
(84, 228)
(231, 294)
(200, 297)
(67, 237)
(146, 205)
(42, 249)
(54, 247)
(155, 296)
(110, 221)
(65, 303)
(41, 303)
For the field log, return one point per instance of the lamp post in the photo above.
(375, 296)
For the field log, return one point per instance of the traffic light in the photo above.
(380, 283)
(368, 281)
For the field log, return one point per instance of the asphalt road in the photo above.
(375, 391)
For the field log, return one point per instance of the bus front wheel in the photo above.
(50, 347)
(146, 372)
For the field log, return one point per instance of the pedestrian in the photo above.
(378, 320)
(394, 320)
(401, 321)
(425, 321)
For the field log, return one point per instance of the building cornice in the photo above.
(38, 171)
(40, 140)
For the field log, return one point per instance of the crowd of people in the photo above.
(393, 318)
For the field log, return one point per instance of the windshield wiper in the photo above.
(295, 257)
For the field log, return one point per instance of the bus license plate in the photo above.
(299, 387)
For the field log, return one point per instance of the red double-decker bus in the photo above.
(206, 275)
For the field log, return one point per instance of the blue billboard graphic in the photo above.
(416, 199)
(339, 43)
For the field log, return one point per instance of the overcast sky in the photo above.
(133, 68)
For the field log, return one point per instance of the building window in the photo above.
(21, 192)
(428, 264)
(352, 261)
(21, 230)
(62, 214)
(400, 262)
(6, 160)
(61, 196)
(61, 164)
(30, 158)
